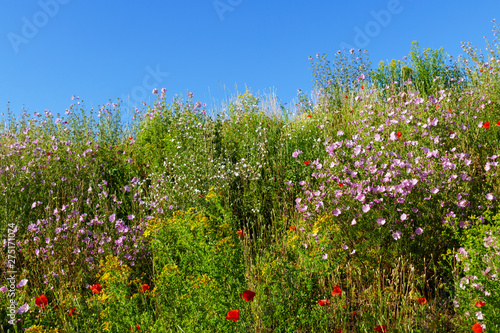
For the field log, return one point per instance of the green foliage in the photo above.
(199, 269)
(427, 71)
(334, 80)
(477, 287)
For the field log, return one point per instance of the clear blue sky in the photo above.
(101, 50)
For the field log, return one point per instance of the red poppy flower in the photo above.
(345, 96)
(337, 330)
(421, 300)
(144, 288)
(486, 125)
(242, 234)
(398, 134)
(306, 162)
(41, 301)
(233, 315)
(481, 70)
(477, 328)
(96, 288)
(308, 116)
(323, 302)
(138, 328)
(292, 227)
(48, 154)
(72, 311)
(130, 137)
(498, 123)
(248, 295)
(351, 111)
(341, 184)
(480, 304)
(381, 328)
(337, 291)
(200, 196)
(362, 87)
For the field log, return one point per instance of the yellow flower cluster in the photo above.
(40, 329)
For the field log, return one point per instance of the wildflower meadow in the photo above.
(368, 205)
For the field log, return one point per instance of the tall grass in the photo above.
(370, 205)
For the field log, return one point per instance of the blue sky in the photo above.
(102, 50)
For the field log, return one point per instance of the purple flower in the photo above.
(490, 197)
(296, 153)
(325, 256)
(22, 283)
(131, 217)
(419, 231)
(3, 289)
(112, 218)
(155, 91)
(381, 221)
(461, 253)
(366, 208)
(23, 308)
(396, 235)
